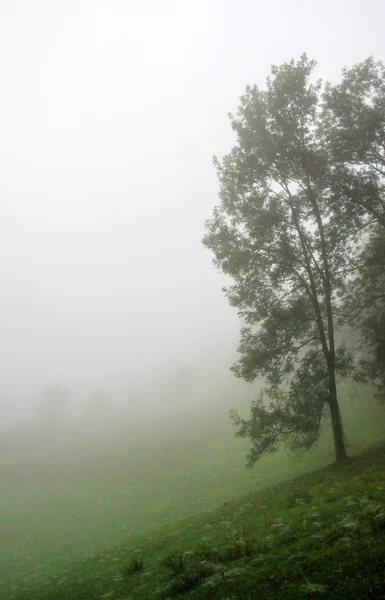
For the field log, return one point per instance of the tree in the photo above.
(276, 236)
(354, 129)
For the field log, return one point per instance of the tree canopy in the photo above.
(285, 232)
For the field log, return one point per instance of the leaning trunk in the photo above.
(338, 435)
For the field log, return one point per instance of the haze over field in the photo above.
(116, 337)
(110, 113)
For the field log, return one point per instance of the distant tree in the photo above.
(365, 309)
(52, 411)
(277, 234)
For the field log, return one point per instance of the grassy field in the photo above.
(72, 524)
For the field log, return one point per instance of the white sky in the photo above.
(110, 112)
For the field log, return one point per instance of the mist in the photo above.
(116, 336)
(110, 114)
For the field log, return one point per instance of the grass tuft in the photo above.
(135, 565)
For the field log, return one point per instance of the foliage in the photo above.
(366, 308)
(190, 569)
(276, 235)
(354, 128)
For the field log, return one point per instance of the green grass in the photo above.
(75, 525)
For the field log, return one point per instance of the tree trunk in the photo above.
(338, 435)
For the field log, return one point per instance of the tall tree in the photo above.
(286, 251)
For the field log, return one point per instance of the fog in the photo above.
(110, 113)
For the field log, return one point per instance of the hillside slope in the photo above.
(322, 533)
(59, 515)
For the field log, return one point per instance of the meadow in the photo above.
(172, 510)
